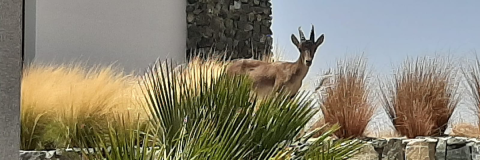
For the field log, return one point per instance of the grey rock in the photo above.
(256, 2)
(263, 38)
(190, 17)
(257, 9)
(393, 150)
(267, 11)
(251, 17)
(194, 31)
(475, 146)
(457, 141)
(190, 8)
(210, 6)
(205, 42)
(234, 17)
(243, 35)
(218, 24)
(266, 30)
(237, 5)
(378, 145)
(243, 19)
(266, 23)
(192, 42)
(49, 155)
(256, 36)
(248, 27)
(457, 149)
(246, 8)
(259, 17)
(235, 43)
(197, 11)
(203, 19)
(241, 24)
(221, 45)
(33, 155)
(257, 27)
(218, 6)
(228, 23)
(230, 33)
(224, 12)
(441, 149)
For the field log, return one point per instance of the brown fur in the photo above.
(269, 77)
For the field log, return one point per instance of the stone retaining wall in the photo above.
(234, 25)
(422, 148)
(430, 148)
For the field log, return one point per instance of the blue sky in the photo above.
(385, 31)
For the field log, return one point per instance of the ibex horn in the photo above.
(302, 37)
(312, 34)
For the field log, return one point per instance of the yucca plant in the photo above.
(199, 114)
(226, 101)
(324, 147)
(60, 100)
(422, 97)
(121, 141)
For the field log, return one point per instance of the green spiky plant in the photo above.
(324, 147)
(214, 117)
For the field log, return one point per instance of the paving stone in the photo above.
(368, 152)
(420, 150)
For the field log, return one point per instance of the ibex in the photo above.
(279, 76)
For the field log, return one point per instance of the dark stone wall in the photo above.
(240, 27)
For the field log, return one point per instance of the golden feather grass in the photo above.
(69, 96)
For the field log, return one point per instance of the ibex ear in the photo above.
(319, 40)
(295, 41)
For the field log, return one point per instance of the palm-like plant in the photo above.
(199, 114)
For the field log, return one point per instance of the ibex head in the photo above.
(307, 48)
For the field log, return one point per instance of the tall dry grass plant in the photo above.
(472, 76)
(346, 99)
(58, 101)
(422, 97)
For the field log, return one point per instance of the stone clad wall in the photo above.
(238, 26)
(422, 148)
(439, 148)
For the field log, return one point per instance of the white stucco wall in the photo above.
(133, 34)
